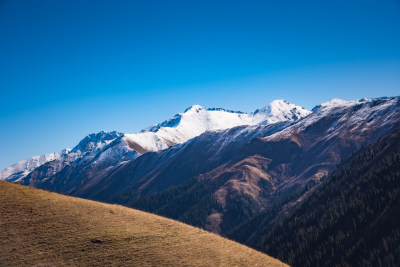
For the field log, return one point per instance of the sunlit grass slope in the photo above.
(43, 228)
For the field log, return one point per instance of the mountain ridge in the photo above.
(148, 139)
(222, 178)
(250, 168)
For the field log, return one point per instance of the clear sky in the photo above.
(72, 67)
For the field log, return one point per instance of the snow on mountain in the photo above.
(87, 150)
(336, 102)
(363, 115)
(92, 144)
(279, 111)
(102, 149)
(197, 120)
(106, 149)
(22, 168)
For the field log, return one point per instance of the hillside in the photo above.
(219, 180)
(40, 228)
(350, 220)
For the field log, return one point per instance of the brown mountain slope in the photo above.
(272, 171)
(40, 228)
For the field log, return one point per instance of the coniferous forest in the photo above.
(352, 219)
(190, 202)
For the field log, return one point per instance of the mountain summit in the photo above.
(106, 149)
(278, 111)
(197, 120)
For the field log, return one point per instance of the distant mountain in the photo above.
(109, 144)
(217, 169)
(197, 120)
(23, 168)
(221, 179)
(97, 152)
(40, 228)
(352, 219)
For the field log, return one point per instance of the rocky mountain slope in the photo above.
(350, 220)
(234, 180)
(23, 168)
(97, 152)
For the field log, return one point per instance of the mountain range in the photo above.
(104, 149)
(237, 174)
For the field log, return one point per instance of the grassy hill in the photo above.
(40, 228)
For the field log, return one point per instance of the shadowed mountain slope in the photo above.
(42, 228)
(352, 219)
(276, 166)
(155, 172)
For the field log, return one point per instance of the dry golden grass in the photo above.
(40, 228)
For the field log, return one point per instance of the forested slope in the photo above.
(350, 220)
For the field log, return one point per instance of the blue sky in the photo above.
(70, 68)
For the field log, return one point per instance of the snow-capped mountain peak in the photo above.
(96, 140)
(105, 148)
(22, 168)
(337, 102)
(356, 114)
(280, 110)
(195, 108)
(196, 120)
